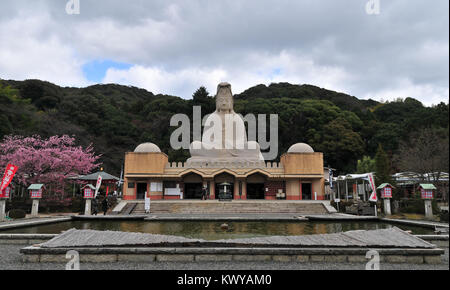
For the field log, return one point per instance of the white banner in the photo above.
(99, 183)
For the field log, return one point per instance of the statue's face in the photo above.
(224, 103)
(224, 99)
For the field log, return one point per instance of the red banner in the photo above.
(8, 176)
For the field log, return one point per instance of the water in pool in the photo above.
(213, 230)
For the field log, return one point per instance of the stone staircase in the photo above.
(234, 207)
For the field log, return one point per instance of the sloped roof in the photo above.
(427, 186)
(35, 187)
(94, 176)
(384, 185)
(89, 185)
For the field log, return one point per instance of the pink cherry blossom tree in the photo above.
(48, 161)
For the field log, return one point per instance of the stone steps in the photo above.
(231, 208)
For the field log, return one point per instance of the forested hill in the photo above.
(117, 118)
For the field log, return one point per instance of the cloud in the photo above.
(176, 46)
(27, 51)
(260, 70)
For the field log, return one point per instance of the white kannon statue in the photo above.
(224, 137)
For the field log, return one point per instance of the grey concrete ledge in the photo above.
(108, 217)
(415, 256)
(24, 239)
(433, 237)
(415, 223)
(27, 236)
(233, 251)
(341, 217)
(33, 222)
(226, 218)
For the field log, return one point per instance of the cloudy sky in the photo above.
(174, 47)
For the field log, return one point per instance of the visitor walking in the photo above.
(105, 205)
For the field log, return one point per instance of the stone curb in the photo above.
(99, 255)
(233, 251)
(109, 217)
(415, 223)
(6, 225)
(25, 239)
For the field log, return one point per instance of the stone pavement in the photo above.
(387, 238)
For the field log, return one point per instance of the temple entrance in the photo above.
(141, 189)
(193, 190)
(255, 190)
(255, 186)
(193, 184)
(220, 180)
(306, 191)
(224, 190)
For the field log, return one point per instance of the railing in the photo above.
(225, 164)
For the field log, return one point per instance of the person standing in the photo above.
(147, 203)
(105, 205)
(204, 193)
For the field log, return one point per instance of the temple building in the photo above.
(227, 172)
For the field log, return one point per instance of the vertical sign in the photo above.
(99, 183)
(7, 177)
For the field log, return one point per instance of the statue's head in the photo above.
(224, 97)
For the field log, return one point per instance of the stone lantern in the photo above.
(35, 194)
(427, 194)
(386, 195)
(88, 194)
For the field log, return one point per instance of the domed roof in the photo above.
(147, 147)
(301, 148)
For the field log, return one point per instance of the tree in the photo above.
(201, 98)
(382, 166)
(426, 151)
(365, 165)
(48, 161)
(341, 145)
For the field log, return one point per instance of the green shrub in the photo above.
(417, 206)
(17, 213)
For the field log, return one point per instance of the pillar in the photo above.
(236, 189)
(244, 189)
(35, 207)
(428, 209)
(87, 208)
(346, 190)
(301, 191)
(2, 209)
(212, 190)
(387, 206)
